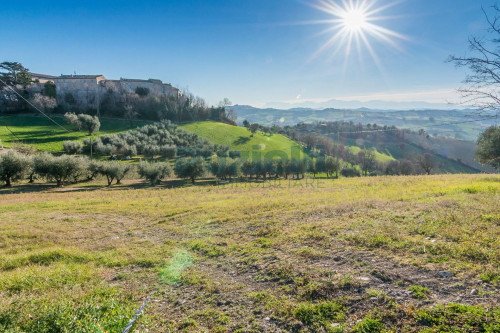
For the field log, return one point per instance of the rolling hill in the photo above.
(458, 124)
(239, 138)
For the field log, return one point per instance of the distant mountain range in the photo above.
(463, 124)
(368, 105)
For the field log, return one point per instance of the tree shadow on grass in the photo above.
(241, 140)
(87, 186)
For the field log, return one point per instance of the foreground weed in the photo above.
(419, 291)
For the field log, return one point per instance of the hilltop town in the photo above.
(87, 91)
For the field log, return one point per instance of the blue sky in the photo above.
(252, 51)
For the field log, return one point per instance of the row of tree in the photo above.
(15, 165)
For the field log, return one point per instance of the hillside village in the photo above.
(87, 91)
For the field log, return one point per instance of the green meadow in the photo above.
(239, 138)
(46, 135)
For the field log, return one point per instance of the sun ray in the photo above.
(353, 26)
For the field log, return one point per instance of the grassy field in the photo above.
(397, 254)
(45, 135)
(240, 138)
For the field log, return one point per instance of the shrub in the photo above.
(419, 291)
(72, 147)
(154, 172)
(13, 165)
(369, 325)
(350, 172)
(392, 168)
(190, 167)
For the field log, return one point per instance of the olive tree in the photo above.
(154, 172)
(234, 168)
(59, 168)
(190, 168)
(88, 122)
(13, 165)
(112, 170)
(73, 147)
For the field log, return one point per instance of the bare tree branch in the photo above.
(482, 85)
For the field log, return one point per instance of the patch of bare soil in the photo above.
(347, 276)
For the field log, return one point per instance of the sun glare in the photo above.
(354, 20)
(353, 26)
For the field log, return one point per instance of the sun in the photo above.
(354, 20)
(354, 25)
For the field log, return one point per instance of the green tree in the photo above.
(253, 128)
(247, 168)
(234, 168)
(271, 167)
(488, 147)
(89, 123)
(72, 147)
(13, 73)
(49, 89)
(330, 166)
(13, 165)
(59, 168)
(72, 119)
(113, 170)
(154, 172)
(190, 167)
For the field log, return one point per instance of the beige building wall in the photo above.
(88, 90)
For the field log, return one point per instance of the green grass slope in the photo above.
(240, 138)
(45, 135)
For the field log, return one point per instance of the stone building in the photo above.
(87, 91)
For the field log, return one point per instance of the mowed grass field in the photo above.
(239, 138)
(45, 135)
(395, 254)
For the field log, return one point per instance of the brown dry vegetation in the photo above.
(363, 255)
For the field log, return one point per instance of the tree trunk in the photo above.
(60, 183)
(7, 182)
(31, 179)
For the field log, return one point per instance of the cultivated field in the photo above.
(400, 254)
